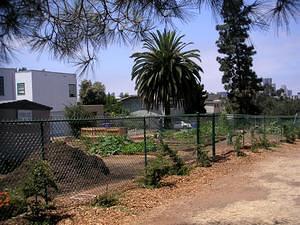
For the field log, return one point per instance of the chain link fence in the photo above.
(87, 157)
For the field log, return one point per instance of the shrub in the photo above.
(179, 167)
(156, 170)
(12, 203)
(289, 133)
(106, 200)
(39, 179)
(238, 145)
(77, 116)
(167, 163)
(202, 157)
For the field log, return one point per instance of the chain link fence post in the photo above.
(213, 135)
(145, 143)
(43, 154)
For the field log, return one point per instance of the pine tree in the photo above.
(239, 80)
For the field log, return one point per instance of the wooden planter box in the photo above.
(102, 131)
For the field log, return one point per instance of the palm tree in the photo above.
(165, 74)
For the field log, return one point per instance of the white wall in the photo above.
(24, 77)
(9, 83)
(52, 89)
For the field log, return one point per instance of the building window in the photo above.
(20, 88)
(72, 90)
(1, 86)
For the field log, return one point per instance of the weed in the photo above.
(106, 200)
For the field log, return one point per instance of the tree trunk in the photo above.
(167, 121)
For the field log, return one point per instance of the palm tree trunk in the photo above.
(167, 121)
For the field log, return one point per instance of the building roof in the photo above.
(23, 104)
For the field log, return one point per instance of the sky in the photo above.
(278, 57)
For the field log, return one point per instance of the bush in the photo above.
(238, 145)
(107, 200)
(202, 157)
(167, 163)
(77, 116)
(12, 203)
(289, 133)
(39, 179)
(156, 170)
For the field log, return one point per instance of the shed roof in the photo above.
(23, 104)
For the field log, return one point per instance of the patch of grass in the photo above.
(106, 200)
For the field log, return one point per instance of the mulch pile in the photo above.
(73, 168)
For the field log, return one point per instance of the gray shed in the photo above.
(23, 110)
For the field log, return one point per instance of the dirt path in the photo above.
(267, 194)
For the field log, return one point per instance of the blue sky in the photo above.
(278, 56)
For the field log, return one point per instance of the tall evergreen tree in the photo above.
(239, 80)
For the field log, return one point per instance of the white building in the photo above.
(7, 84)
(52, 89)
(267, 81)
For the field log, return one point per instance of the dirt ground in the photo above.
(260, 189)
(269, 193)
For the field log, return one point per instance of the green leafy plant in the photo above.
(36, 185)
(12, 203)
(78, 118)
(178, 167)
(155, 171)
(289, 133)
(202, 156)
(106, 200)
(112, 145)
(238, 145)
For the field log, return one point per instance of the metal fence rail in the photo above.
(90, 156)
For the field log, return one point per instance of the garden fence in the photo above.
(87, 157)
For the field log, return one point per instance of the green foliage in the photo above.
(77, 116)
(264, 142)
(37, 184)
(238, 145)
(289, 133)
(164, 72)
(166, 163)
(202, 157)
(113, 107)
(112, 145)
(106, 200)
(39, 177)
(178, 167)
(92, 94)
(156, 170)
(239, 79)
(12, 203)
(269, 105)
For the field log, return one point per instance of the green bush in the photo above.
(156, 170)
(167, 163)
(106, 200)
(37, 184)
(238, 145)
(12, 203)
(202, 157)
(78, 116)
(112, 145)
(289, 133)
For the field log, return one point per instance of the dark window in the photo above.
(1, 86)
(20, 88)
(72, 90)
